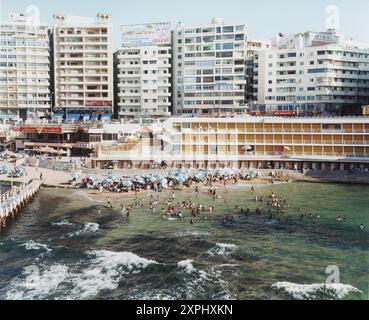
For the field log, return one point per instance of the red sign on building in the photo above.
(99, 103)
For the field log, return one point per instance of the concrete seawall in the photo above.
(15, 199)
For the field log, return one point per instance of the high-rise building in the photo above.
(312, 72)
(24, 68)
(83, 66)
(252, 68)
(143, 71)
(209, 69)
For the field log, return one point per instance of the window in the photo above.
(228, 46)
(228, 29)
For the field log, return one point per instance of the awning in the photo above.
(106, 116)
(73, 116)
(8, 117)
(94, 116)
(58, 115)
(86, 117)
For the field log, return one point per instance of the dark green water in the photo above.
(66, 245)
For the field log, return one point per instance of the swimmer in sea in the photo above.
(362, 227)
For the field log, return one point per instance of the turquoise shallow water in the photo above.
(67, 245)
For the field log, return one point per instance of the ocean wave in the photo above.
(62, 223)
(87, 228)
(191, 233)
(32, 245)
(315, 291)
(222, 249)
(156, 295)
(36, 284)
(187, 265)
(198, 283)
(103, 271)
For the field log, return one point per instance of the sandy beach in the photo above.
(60, 179)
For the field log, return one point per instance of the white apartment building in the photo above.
(24, 68)
(209, 69)
(312, 72)
(143, 71)
(83, 66)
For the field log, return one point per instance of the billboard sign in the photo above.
(146, 34)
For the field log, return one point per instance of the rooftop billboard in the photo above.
(146, 34)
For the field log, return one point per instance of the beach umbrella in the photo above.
(126, 184)
(139, 180)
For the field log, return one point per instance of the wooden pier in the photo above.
(15, 199)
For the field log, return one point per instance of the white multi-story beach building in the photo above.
(209, 69)
(83, 66)
(24, 68)
(312, 72)
(143, 71)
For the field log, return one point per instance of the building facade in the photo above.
(249, 142)
(312, 73)
(143, 71)
(83, 67)
(209, 69)
(24, 69)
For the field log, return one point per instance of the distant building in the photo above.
(209, 69)
(83, 67)
(252, 69)
(24, 68)
(312, 72)
(143, 71)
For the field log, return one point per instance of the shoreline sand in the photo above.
(58, 179)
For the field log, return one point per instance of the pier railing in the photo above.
(12, 201)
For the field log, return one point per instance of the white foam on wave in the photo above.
(199, 282)
(62, 223)
(87, 228)
(157, 295)
(34, 284)
(191, 233)
(104, 271)
(315, 291)
(187, 265)
(32, 245)
(222, 249)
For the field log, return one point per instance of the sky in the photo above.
(264, 18)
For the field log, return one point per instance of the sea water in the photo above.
(68, 245)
